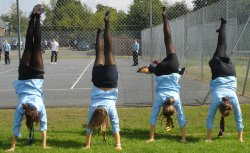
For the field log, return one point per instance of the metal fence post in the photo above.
(151, 43)
(202, 54)
(245, 82)
(18, 22)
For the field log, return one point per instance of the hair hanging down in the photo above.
(167, 111)
(225, 110)
(225, 107)
(31, 115)
(99, 119)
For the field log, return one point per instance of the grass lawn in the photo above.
(66, 132)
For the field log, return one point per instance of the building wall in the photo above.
(2, 31)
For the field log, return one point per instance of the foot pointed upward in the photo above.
(99, 32)
(222, 21)
(107, 16)
(38, 10)
(164, 12)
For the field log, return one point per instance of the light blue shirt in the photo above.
(136, 47)
(224, 87)
(6, 47)
(29, 92)
(106, 99)
(167, 86)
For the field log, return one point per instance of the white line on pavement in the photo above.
(7, 71)
(81, 75)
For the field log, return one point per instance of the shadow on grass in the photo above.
(142, 134)
(64, 144)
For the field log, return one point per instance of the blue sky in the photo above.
(27, 5)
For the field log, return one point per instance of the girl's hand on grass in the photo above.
(150, 140)
(46, 147)
(10, 150)
(118, 147)
(241, 140)
(208, 140)
(86, 147)
(182, 141)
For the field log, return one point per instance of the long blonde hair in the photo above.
(99, 119)
(168, 110)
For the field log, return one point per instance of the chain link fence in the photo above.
(195, 39)
(73, 24)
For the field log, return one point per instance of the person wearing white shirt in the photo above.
(54, 50)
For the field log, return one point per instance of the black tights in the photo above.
(221, 44)
(31, 64)
(167, 33)
(170, 64)
(220, 64)
(105, 57)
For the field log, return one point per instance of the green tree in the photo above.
(69, 13)
(11, 17)
(139, 12)
(96, 19)
(202, 3)
(177, 10)
(121, 20)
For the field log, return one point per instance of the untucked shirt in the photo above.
(224, 87)
(167, 86)
(54, 46)
(29, 92)
(135, 47)
(107, 100)
(6, 47)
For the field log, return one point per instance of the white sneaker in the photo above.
(55, 63)
(52, 63)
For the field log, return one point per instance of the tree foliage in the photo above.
(11, 17)
(202, 3)
(139, 14)
(177, 10)
(67, 13)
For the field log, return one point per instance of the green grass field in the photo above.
(66, 132)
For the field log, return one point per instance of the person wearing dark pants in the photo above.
(6, 50)
(30, 82)
(135, 52)
(105, 92)
(223, 87)
(54, 50)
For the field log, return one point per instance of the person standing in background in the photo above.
(54, 50)
(1, 48)
(6, 49)
(135, 52)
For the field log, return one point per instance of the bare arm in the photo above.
(118, 145)
(151, 134)
(44, 139)
(88, 140)
(209, 134)
(13, 145)
(183, 134)
(240, 136)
